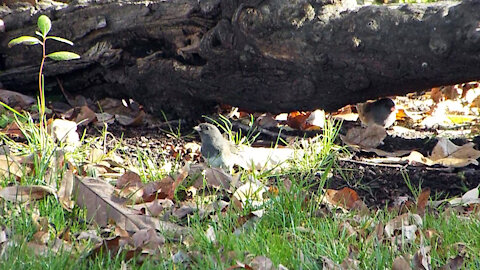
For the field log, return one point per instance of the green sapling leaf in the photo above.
(26, 40)
(44, 24)
(64, 40)
(63, 56)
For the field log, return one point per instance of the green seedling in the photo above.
(44, 26)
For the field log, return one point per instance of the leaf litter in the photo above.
(139, 211)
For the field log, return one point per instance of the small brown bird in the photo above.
(380, 112)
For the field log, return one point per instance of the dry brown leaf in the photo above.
(329, 264)
(345, 197)
(350, 262)
(147, 238)
(417, 158)
(182, 174)
(401, 264)
(129, 179)
(21, 194)
(41, 237)
(12, 130)
(422, 201)
(104, 118)
(376, 234)
(447, 154)
(131, 121)
(96, 196)
(214, 178)
(65, 191)
(406, 223)
(421, 260)
(365, 138)
(347, 228)
(14, 99)
(12, 166)
(155, 207)
(315, 121)
(297, 119)
(95, 155)
(262, 263)
(266, 120)
(113, 245)
(85, 116)
(436, 94)
(90, 235)
(454, 263)
(158, 189)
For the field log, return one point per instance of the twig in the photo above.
(406, 166)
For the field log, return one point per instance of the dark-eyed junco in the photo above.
(220, 152)
(381, 112)
(216, 150)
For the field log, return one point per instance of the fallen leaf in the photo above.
(65, 191)
(112, 246)
(13, 166)
(458, 262)
(422, 201)
(262, 263)
(158, 189)
(401, 264)
(471, 196)
(129, 179)
(315, 121)
(13, 130)
(136, 121)
(104, 118)
(297, 119)
(329, 264)
(155, 207)
(365, 138)
(21, 194)
(90, 235)
(96, 196)
(213, 178)
(14, 99)
(404, 223)
(266, 120)
(251, 193)
(85, 116)
(147, 238)
(345, 197)
(421, 260)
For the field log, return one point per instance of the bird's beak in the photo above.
(197, 128)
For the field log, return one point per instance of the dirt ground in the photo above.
(379, 185)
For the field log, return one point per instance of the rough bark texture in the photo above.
(271, 55)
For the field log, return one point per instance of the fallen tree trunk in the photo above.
(262, 55)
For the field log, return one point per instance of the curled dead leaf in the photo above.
(365, 138)
(21, 194)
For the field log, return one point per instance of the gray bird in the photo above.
(217, 151)
(380, 112)
(220, 152)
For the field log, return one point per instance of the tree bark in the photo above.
(183, 56)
